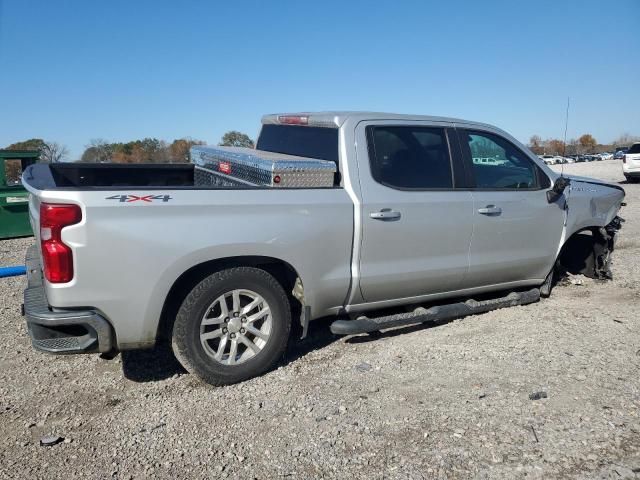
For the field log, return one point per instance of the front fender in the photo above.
(591, 204)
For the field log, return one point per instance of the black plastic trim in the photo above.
(434, 314)
(47, 327)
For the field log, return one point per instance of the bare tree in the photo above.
(625, 140)
(536, 144)
(98, 151)
(53, 152)
(572, 147)
(553, 146)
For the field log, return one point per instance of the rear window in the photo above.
(312, 142)
(635, 148)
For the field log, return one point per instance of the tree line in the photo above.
(585, 144)
(152, 150)
(50, 152)
(146, 150)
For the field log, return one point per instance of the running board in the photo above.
(434, 314)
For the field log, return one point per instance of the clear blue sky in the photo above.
(121, 70)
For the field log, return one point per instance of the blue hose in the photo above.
(12, 271)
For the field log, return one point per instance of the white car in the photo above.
(606, 156)
(549, 159)
(631, 163)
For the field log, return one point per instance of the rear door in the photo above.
(516, 232)
(416, 223)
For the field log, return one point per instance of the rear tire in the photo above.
(234, 325)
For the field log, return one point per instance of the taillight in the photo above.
(57, 257)
(624, 158)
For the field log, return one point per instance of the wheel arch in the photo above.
(580, 251)
(281, 270)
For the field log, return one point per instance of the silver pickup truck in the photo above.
(377, 220)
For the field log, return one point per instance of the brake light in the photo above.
(57, 257)
(293, 119)
(624, 158)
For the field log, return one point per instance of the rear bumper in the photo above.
(61, 331)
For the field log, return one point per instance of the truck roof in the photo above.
(335, 119)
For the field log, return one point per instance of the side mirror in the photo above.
(558, 188)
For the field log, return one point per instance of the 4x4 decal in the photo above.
(136, 198)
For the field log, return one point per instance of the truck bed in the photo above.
(108, 175)
(212, 168)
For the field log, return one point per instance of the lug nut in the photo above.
(233, 335)
(242, 330)
(243, 319)
(224, 330)
(235, 314)
(226, 320)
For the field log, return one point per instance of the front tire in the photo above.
(234, 325)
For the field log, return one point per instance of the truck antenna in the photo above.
(564, 142)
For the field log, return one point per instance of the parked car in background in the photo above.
(553, 159)
(606, 155)
(631, 163)
(619, 155)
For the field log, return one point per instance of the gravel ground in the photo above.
(450, 401)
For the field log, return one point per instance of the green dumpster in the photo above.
(14, 206)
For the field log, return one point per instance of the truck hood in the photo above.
(594, 181)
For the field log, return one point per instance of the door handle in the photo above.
(385, 214)
(490, 210)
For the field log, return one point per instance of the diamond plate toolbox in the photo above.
(233, 166)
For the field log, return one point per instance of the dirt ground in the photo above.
(447, 401)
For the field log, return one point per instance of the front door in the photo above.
(416, 226)
(516, 232)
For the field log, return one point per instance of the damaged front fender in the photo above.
(591, 225)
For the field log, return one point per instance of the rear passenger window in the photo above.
(498, 164)
(410, 157)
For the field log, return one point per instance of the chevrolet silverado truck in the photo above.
(376, 220)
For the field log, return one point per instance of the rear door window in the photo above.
(635, 148)
(410, 157)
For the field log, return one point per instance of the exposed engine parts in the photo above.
(589, 252)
